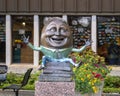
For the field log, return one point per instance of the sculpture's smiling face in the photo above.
(56, 35)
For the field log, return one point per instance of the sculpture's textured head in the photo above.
(56, 33)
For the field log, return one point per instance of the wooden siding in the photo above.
(35, 6)
(11, 6)
(117, 6)
(107, 5)
(94, 6)
(23, 5)
(70, 7)
(3, 6)
(46, 5)
(60, 6)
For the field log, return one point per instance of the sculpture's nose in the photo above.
(57, 32)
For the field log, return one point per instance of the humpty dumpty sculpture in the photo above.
(56, 42)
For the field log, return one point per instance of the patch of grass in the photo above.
(111, 90)
(112, 84)
(13, 78)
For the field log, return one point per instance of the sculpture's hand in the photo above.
(88, 43)
(25, 39)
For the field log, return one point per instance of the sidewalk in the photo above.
(21, 93)
(22, 68)
(115, 70)
(31, 93)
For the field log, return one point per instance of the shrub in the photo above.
(111, 90)
(13, 78)
(112, 82)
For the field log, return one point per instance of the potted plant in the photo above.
(89, 77)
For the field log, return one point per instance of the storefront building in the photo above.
(18, 17)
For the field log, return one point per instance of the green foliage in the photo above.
(13, 78)
(112, 82)
(29, 87)
(111, 90)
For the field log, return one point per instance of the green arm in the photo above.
(79, 50)
(33, 47)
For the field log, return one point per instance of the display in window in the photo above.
(108, 29)
(2, 32)
(81, 29)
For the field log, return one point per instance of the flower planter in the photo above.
(99, 93)
(90, 74)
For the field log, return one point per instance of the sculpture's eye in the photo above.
(63, 30)
(53, 29)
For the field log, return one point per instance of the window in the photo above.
(2, 39)
(22, 25)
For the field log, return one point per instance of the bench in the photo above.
(3, 73)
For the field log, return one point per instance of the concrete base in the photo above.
(54, 88)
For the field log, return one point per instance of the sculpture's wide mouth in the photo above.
(57, 41)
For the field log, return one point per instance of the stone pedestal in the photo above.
(54, 88)
(55, 80)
